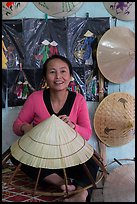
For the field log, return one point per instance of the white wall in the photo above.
(95, 9)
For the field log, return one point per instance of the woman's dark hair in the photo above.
(64, 59)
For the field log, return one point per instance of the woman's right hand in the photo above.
(26, 128)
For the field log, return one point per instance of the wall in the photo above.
(95, 9)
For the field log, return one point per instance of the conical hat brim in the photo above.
(52, 144)
(125, 13)
(119, 185)
(58, 9)
(116, 54)
(114, 119)
(7, 13)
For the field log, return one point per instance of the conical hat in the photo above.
(52, 144)
(114, 119)
(53, 43)
(88, 33)
(10, 9)
(58, 9)
(119, 185)
(121, 10)
(45, 42)
(116, 54)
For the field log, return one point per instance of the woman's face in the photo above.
(57, 75)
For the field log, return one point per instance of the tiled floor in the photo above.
(11, 193)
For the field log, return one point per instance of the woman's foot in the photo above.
(69, 187)
(59, 182)
(79, 197)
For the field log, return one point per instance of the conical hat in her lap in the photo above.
(114, 119)
(52, 144)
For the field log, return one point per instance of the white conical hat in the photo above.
(121, 10)
(114, 119)
(116, 54)
(88, 33)
(45, 42)
(53, 43)
(52, 144)
(119, 185)
(10, 9)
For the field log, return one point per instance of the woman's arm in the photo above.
(80, 117)
(25, 117)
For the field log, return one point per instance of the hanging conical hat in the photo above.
(114, 119)
(121, 10)
(52, 144)
(119, 185)
(116, 54)
(10, 9)
(58, 9)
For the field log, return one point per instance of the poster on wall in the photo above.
(44, 39)
(83, 38)
(12, 44)
(31, 41)
(21, 84)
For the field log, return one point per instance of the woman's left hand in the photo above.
(67, 120)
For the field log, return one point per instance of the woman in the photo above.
(69, 106)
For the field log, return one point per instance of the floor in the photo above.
(12, 193)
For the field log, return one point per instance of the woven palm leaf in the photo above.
(114, 119)
(121, 10)
(10, 9)
(52, 144)
(58, 9)
(116, 54)
(119, 185)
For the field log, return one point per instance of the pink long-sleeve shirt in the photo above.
(35, 111)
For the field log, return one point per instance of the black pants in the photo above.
(76, 172)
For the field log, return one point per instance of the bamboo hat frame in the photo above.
(114, 119)
(54, 144)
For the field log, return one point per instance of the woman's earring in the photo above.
(44, 84)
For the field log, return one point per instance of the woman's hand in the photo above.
(67, 120)
(26, 127)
